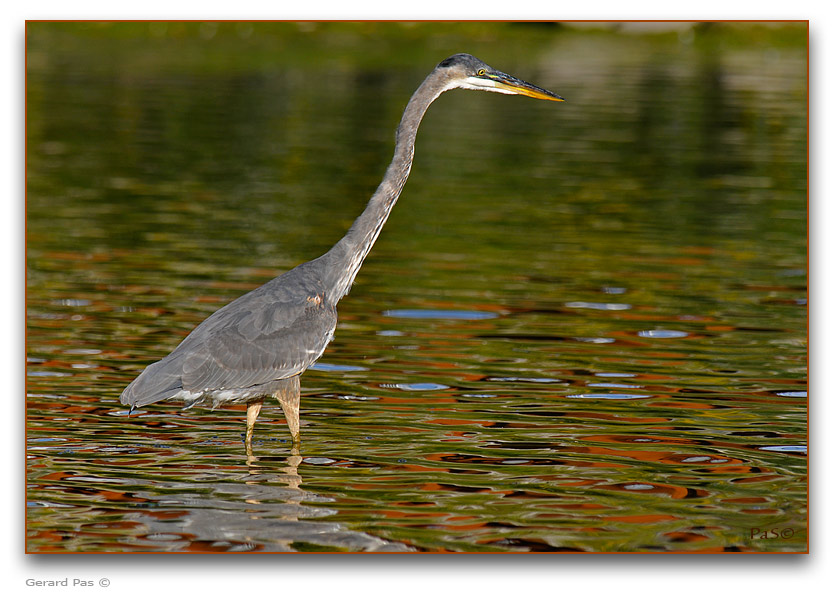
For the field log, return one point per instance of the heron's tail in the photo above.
(158, 381)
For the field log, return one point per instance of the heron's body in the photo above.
(248, 348)
(259, 344)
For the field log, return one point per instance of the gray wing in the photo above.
(272, 333)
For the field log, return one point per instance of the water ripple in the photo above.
(792, 449)
(319, 366)
(594, 305)
(439, 314)
(662, 334)
(417, 387)
(609, 396)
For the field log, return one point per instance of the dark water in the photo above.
(583, 328)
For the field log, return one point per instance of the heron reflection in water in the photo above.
(258, 345)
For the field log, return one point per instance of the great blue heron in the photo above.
(259, 344)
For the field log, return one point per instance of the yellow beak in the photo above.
(516, 86)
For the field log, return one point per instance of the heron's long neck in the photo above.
(347, 255)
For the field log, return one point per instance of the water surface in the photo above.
(582, 329)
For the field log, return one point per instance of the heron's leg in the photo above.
(290, 398)
(252, 411)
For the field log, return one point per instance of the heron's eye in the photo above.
(481, 72)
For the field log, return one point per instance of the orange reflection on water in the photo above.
(647, 488)
(643, 519)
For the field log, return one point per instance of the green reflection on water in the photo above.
(646, 239)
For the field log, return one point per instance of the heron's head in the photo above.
(463, 71)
